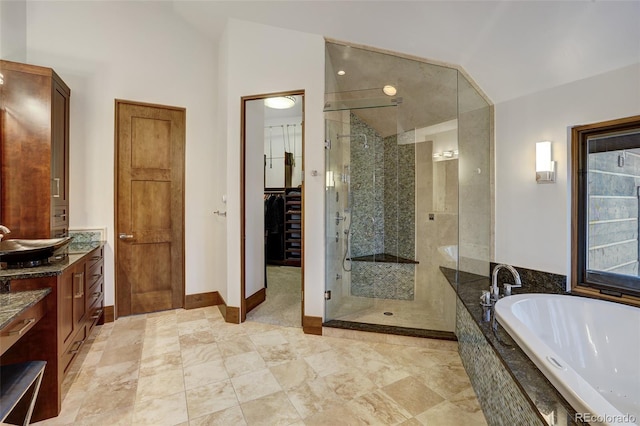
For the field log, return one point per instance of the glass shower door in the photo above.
(339, 204)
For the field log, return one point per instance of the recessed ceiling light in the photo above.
(389, 90)
(280, 102)
(341, 72)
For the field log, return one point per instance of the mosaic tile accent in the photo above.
(383, 280)
(500, 398)
(399, 197)
(87, 235)
(367, 185)
(383, 192)
(383, 213)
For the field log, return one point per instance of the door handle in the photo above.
(125, 236)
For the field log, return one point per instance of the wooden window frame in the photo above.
(592, 284)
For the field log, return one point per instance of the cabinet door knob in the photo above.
(125, 236)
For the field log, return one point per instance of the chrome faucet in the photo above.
(507, 287)
(3, 231)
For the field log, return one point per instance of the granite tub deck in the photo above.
(509, 386)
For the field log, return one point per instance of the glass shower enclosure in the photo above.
(394, 174)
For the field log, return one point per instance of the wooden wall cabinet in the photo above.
(34, 151)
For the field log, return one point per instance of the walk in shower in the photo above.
(407, 189)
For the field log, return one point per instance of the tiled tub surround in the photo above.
(510, 388)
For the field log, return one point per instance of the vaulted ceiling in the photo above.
(510, 48)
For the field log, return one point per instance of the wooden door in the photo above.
(150, 144)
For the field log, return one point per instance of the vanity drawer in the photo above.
(73, 349)
(96, 256)
(21, 325)
(96, 301)
(95, 294)
(94, 274)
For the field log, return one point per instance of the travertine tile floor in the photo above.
(191, 368)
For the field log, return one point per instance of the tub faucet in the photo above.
(3, 231)
(507, 287)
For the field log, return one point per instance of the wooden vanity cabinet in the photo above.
(71, 314)
(81, 303)
(75, 307)
(34, 151)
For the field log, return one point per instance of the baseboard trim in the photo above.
(312, 325)
(231, 314)
(255, 299)
(109, 313)
(201, 300)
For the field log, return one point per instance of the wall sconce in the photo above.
(545, 167)
(451, 154)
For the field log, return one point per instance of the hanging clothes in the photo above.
(274, 227)
(288, 169)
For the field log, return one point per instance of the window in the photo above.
(606, 210)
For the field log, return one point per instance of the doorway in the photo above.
(272, 200)
(149, 207)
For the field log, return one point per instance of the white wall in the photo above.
(13, 34)
(254, 202)
(137, 51)
(263, 59)
(533, 220)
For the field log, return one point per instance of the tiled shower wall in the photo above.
(383, 212)
(367, 195)
(383, 193)
(399, 198)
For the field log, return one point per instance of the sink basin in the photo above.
(27, 252)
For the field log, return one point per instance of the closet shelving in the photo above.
(283, 226)
(293, 226)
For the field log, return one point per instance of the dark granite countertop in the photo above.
(528, 377)
(383, 258)
(13, 304)
(76, 252)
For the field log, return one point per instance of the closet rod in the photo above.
(282, 125)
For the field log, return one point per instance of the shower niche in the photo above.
(398, 136)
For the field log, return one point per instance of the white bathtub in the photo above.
(588, 349)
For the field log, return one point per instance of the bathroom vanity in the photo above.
(69, 313)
